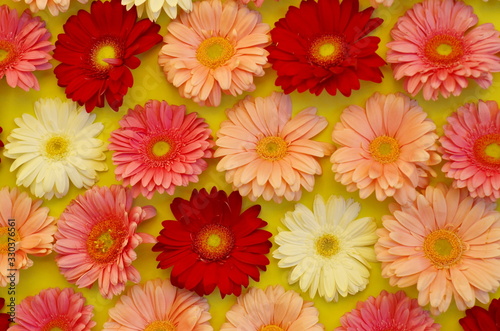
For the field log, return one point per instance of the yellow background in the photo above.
(149, 83)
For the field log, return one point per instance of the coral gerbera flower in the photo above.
(24, 48)
(96, 238)
(387, 148)
(272, 309)
(159, 146)
(158, 305)
(435, 49)
(323, 45)
(388, 311)
(447, 243)
(56, 147)
(479, 319)
(26, 225)
(97, 51)
(218, 47)
(471, 145)
(327, 248)
(54, 309)
(267, 153)
(212, 244)
(154, 7)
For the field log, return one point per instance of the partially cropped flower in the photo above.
(480, 319)
(54, 6)
(272, 309)
(24, 48)
(471, 145)
(212, 243)
(97, 51)
(447, 244)
(155, 7)
(217, 48)
(96, 237)
(386, 149)
(257, 3)
(25, 229)
(158, 305)
(4, 318)
(386, 3)
(159, 147)
(267, 153)
(437, 49)
(1, 142)
(56, 147)
(388, 311)
(54, 309)
(328, 249)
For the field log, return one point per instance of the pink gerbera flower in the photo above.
(158, 305)
(24, 48)
(272, 309)
(471, 145)
(218, 47)
(387, 148)
(436, 49)
(54, 309)
(267, 153)
(159, 147)
(96, 239)
(447, 243)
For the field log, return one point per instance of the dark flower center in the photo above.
(105, 240)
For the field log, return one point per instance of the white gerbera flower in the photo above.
(56, 146)
(154, 7)
(329, 249)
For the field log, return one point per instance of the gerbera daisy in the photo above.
(388, 311)
(435, 49)
(159, 146)
(154, 7)
(267, 153)
(54, 309)
(322, 45)
(471, 145)
(212, 243)
(55, 147)
(96, 238)
(387, 148)
(218, 47)
(4, 318)
(447, 243)
(158, 305)
(97, 51)
(376, 3)
(272, 309)
(24, 48)
(328, 249)
(26, 224)
(479, 319)
(54, 6)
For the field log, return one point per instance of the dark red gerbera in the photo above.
(4, 318)
(97, 50)
(480, 319)
(212, 244)
(322, 45)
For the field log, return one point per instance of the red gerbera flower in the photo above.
(213, 244)
(97, 50)
(322, 45)
(4, 318)
(480, 319)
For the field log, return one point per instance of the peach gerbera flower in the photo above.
(471, 145)
(267, 153)
(272, 309)
(447, 243)
(435, 49)
(218, 47)
(54, 6)
(158, 305)
(25, 228)
(96, 238)
(387, 148)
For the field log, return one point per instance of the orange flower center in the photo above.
(106, 53)
(59, 323)
(214, 52)
(8, 239)
(443, 248)
(384, 149)
(327, 245)
(213, 242)
(327, 51)
(57, 147)
(105, 241)
(444, 50)
(160, 326)
(8, 53)
(487, 151)
(271, 327)
(272, 148)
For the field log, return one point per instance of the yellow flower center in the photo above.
(160, 148)
(58, 323)
(443, 248)
(272, 148)
(104, 49)
(487, 151)
(105, 52)
(160, 326)
(105, 240)
(57, 147)
(384, 149)
(8, 53)
(213, 242)
(444, 50)
(8, 239)
(327, 245)
(327, 51)
(214, 52)
(271, 327)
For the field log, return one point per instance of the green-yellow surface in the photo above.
(150, 83)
